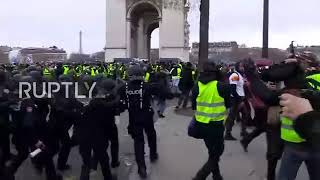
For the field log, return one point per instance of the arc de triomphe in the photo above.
(131, 22)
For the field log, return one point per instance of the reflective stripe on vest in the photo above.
(288, 133)
(46, 72)
(210, 105)
(315, 77)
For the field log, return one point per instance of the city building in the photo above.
(215, 47)
(34, 55)
(4, 54)
(314, 48)
(231, 52)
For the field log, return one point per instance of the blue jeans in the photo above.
(292, 160)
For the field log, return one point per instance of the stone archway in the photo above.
(142, 18)
(131, 22)
(139, 3)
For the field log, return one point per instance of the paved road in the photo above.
(180, 155)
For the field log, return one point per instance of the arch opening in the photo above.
(144, 19)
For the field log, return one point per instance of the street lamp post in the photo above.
(204, 32)
(265, 46)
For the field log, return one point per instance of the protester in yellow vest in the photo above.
(209, 98)
(314, 81)
(147, 76)
(297, 149)
(46, 73)
(176, 76)
(66, 69)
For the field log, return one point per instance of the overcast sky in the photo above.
(57, 22)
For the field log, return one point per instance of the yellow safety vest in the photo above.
(315, 77)
(210, 105)
(147, 77)
(179, 72)
(66, 70)
(178, 76)
(288, 133)
(93, 73)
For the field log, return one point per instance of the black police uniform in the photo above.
(110, 86)
(94, 131)
(31, 128)
(4, 128)
(65, 112)
(137, 95)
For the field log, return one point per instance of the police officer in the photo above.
(64, 112)
(4, 122)
(110, 85)
(209, 98)
(33, 132)
(95, 128)
(137, 96)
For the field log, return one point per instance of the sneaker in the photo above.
(229, 137)
(142, 173)
(161, 116)
(244, 145)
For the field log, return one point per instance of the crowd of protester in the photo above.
(281, 100)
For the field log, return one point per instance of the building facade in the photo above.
(130, 24)
(216, 47)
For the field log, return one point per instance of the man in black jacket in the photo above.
(65, 111)
(95, 129)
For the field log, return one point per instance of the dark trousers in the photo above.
(139, 124)
(4, 151)
(184, 98)
(45, 159)
(114, 140)
(65, 122)
(214, 141)
(235, 102)
(65, 148)
(275, 147)
(99, 148)
(292, 159)
(274, 142)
